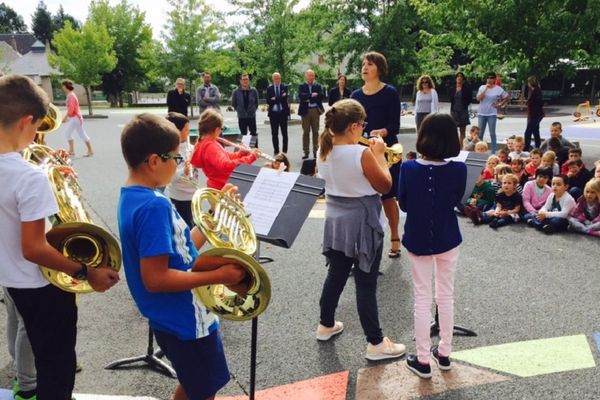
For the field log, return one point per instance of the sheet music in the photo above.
(267, 196)
(462, 156)
(246, 140)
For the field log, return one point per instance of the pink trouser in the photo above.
(422, 269)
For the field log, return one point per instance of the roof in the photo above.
(7, 54)
(23, 41)
(33, 63)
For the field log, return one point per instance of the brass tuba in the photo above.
(393, 154)
(50, 123)
(73, 233)
(226, 226)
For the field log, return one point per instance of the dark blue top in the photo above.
(383, 111)
(428, 195)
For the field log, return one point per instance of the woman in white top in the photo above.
(490, 97)
(427, 99)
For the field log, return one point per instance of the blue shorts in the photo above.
(200, 364)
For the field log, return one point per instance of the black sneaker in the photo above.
(494, 224)
(421, 370)
(305, 156)
(443, 363)
(548, 229)
(530, 222)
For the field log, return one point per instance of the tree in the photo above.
(10, 21)
(41, 23)
(84, 55)
(191, 30)
(132, 38)
(59, 19)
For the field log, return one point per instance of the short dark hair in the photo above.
(147, 134)
(19, 97)
(547, 172)
(579, 163)
(178, 119)
(379, 60)
(575, 150)
(554, 143)
(68, 84)
(557, 124)
(564, 178)
(437, 138)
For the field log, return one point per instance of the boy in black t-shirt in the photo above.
(508, 205)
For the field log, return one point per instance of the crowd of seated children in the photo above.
(585, 216)
(472, 139)
(554, 214)
(482, 197)
(578, 177)
(536, 192)
(508, 205)
(549, 161)
(574, 154)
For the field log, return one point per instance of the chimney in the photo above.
(13, 43)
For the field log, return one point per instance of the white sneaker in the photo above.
(324, 333)
(384, 350)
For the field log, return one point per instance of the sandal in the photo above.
(394, 253)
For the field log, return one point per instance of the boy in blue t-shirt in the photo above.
(162, 264)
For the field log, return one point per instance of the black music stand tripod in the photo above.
(458, 329)
(151, 358)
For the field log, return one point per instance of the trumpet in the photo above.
(393, 154)
(242, 147)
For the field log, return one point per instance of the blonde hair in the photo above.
(519, 139)
(593, 185)
(209, 121)
(482, 145)
(420, 83)
(337, 120)
(511, 177)
(493, 158)
(502, 169)
(549, 156)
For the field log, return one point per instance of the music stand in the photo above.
(151, 358)
(284, 231)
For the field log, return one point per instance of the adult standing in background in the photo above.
(427, 99)
(490, 97)
(460, 98)
(74, 120)
(207, 95)
(178, 100)
(382, 104)
(535, 113)
(310, 109)
(278, 112)
(340, 91)
(245, 102)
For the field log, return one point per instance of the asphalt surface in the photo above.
(513, 284)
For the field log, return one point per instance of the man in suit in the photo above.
(178, 100)
(311, 108)
(207, 95)
(278, 112)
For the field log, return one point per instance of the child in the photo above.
(552, 217)
(411, 155)
(536, 192)
(578, 177)
(535, 157)
(503, 156)
(499, 172)
(180, 190)
(596, 169)
(490, 167)
(574, 154)
(472, 139)
(354, 176)
(518, 168)
(161, 262)
(48, 313)
(585, 216)
(556, 132)
(518, 146)
(216, 162)
(429, 190)
(549, 161)
(481, 147)
(508, 205)
(510, 143)
(280, 158)
(482, 197)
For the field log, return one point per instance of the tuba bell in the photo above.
(50, 123)
(227, 227)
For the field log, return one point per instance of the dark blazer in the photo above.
(305, 97)
(178, 102)
(466, 96)
(282, 100)
(334, 95)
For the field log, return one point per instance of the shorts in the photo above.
(395, 172)
(200, 363)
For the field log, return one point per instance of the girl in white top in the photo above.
(427, 99)
(490, 97)
(353, 235)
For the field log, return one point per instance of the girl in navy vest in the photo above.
(429, 190)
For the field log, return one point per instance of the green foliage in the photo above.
(10, 21)
(84, 55)
(59, 19)
(132, 44)
(41, 23)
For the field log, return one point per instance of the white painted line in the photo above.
(6, 394)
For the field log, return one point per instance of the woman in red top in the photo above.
(216, 162)
(74, 120)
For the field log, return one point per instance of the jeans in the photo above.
(50, 317)
(366, 293)
(533, 128)
(500, 221)
(491, 121)
(422, 268)
(278, 120)
(559, 224)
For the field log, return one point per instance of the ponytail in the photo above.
(325, 143)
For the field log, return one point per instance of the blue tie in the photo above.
(277, 91)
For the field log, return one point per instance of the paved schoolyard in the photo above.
(514, 287)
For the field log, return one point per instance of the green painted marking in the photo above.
(533, 357)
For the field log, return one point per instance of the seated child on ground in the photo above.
(585, 216)
(518, 168)
(481, 147)
(549, 161)
(574, 154)
(510, 143)
(499, 172)
(596, 170)
(535, 159)
(503, 156)
(536, 192)
(490, 167)
(578, 177)
(482, 197)
(508, 205)
(518, 152)
(552, 217)
(472, 139)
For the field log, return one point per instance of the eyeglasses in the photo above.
(178, 158)
(362, 124)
